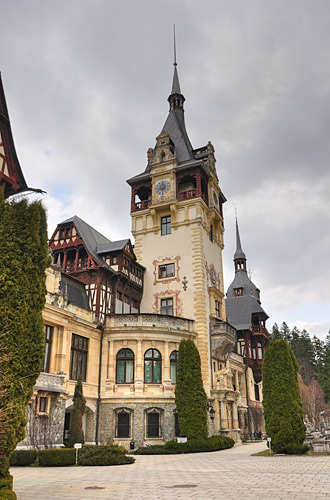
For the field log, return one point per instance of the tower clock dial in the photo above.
(162, 187)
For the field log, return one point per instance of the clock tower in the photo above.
(177, 223)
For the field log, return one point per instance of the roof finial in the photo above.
(175, 63)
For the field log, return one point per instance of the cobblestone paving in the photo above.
(227, 475)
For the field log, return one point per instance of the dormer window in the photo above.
(238, 292)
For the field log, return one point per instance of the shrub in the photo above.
(103, 455)
(57, 457)
(6, 494)
(6, 482)
(281, 397)
(295, 449)
(190, 396)
(155, 450)
(212, 443)
(23, 457)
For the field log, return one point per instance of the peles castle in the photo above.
(116, 312)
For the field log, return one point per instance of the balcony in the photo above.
(223, 338)
(141, 205)
(51, 382)
(157, 321)
(186, 195)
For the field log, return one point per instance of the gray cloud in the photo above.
(86, 86)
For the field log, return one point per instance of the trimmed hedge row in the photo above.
(213, 443)
(23, 457)
(60, 457)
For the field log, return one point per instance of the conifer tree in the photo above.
(76, 434)
(23, 260)
(324, 368)
(281, 397)
(190, 396)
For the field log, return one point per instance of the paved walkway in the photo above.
(223, 475)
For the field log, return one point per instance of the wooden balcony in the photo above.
(141, 205)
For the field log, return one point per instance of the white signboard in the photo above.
(181, 440)
(77, 446)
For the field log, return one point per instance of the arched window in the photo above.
(123, 424)
(125, 367)
(152, 367)
(173, 366)
(153, 424)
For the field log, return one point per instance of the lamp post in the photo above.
(211, 411)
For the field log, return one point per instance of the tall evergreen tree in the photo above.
(281, 396)
(76, 434)
(324, 368)
(190, 396)
(23, 260)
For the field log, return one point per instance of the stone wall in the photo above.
(107, 432)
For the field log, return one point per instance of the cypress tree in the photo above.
(281, 396)
(23, 260)
(76, 434)
(190, 396)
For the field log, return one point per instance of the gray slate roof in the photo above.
(239, 254)
(240, 310)
(95, 242)
(75, 290)
(175, 127)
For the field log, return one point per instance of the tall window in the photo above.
(152, 367)
(173, 366)
(123, 424)
(259, 346)
(153, 424)
(166, 306)
(217, 308)
(166, 270)
(48, 340)
(166, 225)
(125, 367)
(78, 362)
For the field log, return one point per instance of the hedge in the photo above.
(212, 443)
(6, 482)
(23, 457)
(103, 455)
(296, 449)
(6, 494)
(57, 457)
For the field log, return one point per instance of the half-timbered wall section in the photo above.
(112, 277)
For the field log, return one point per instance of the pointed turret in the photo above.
(175, 125)
(239, 256)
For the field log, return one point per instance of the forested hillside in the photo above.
(313, 356)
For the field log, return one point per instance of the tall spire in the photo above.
(239, 256)
(176, 99)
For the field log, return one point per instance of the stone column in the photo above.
(235, 416)
(223, 416)
(139, 368)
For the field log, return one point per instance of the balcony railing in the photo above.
(141, 205)
(150, 320)
(186, 195)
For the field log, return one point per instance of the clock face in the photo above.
(162, 187)
(215, 198)
(213, 276)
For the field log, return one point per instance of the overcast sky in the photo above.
(87, 82)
